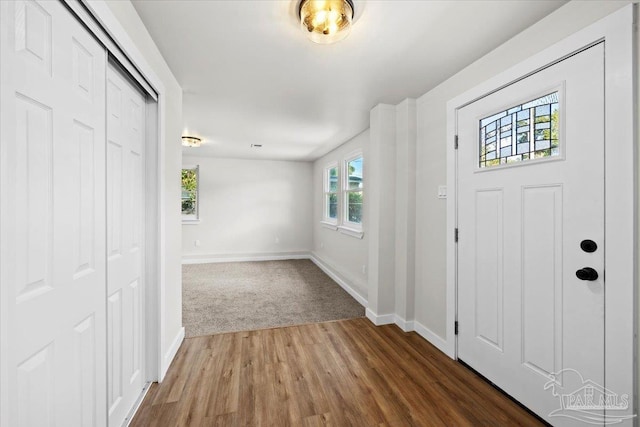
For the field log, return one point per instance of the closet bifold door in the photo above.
(52, 218)
(125, 243)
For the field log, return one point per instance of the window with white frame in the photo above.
(331, 194)
(190, 184)
(353, 192)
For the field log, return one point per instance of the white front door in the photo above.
(53, 214)
(531, 236)
(125, 211)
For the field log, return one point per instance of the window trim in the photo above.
(340, 223)
(192, 218)
(346, 226)
(358, 234)
(326, 219)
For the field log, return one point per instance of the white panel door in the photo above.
(531, 189)
(125, 210)
(52, 218)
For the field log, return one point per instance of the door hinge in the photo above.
(455, 235)
(455, 328)
(455, 142)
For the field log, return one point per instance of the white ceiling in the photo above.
(250, 76)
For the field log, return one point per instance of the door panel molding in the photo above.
(53, 274)
(536, 320)
(489, 289)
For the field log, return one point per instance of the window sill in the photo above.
(358, 234)
(190, 221)
(329, 225)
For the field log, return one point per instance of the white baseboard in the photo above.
(409, 326)
(171, 353)
(405, 325)
(380, 319)
(275, 256)
(426, 333)
(330, 271)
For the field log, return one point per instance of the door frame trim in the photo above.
(621, 122)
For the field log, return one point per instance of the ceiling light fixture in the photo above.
(326, 21)
(191, 141)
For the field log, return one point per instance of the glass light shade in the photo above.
(191, 141)
(326, 21)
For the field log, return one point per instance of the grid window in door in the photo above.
(524, 132)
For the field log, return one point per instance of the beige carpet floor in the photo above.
(241, 296)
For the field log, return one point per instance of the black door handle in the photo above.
(587, 273)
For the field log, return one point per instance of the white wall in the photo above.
(381, 210)
(171, 125)
(430, 292)
(405, 232)
(250, 208)
(345, 255)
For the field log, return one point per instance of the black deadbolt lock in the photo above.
(588, 246)
(587, 273)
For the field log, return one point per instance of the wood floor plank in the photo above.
(317, 421)
(410, 386)
(343, 373)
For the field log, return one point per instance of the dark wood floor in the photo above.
(344, 373)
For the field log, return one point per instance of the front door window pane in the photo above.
(520, 133)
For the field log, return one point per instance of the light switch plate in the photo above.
(442, 192)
